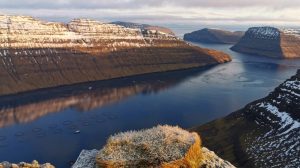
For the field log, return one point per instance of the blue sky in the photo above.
(228, 12)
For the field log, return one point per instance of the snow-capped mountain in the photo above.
(271, 42)
(266, 133)
(36, 54)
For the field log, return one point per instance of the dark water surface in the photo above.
(42, 125)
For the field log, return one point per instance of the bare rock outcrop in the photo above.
(270, 42)
(35, 54)
(34, 164)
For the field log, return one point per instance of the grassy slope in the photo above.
(226, 137)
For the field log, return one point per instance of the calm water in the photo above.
(42, 125)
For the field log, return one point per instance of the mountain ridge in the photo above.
(36, 54)
(263, 134)
(210, 35)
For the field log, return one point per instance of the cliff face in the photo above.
(266, 133)
(271, 42)
(214, 36)
(36, 54)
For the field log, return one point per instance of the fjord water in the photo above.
(54, 125)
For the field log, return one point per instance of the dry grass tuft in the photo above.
(161, 146)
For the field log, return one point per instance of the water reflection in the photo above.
(27, 107)
(43, 125)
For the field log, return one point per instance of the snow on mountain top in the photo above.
(264, 32)
(294, 32)
(291, 31)
(280, 145)
(271, 32)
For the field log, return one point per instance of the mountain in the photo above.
(37, 54)
(214, 36)
(161, 146)
(145, 27)
(266, 133)
(270, 42)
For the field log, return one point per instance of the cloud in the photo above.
(160, 11)
(133, 4)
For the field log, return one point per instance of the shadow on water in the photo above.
(26, 107)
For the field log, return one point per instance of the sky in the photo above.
(162, 12)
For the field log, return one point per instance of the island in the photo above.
(214, 36)
(270, 42)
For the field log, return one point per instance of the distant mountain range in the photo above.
(270, 42)
(144, 27)
(36, 54)
(266, 133)
(217, 36)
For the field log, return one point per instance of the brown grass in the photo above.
(192, 158)
(116, 154)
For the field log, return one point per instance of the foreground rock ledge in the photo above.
(34, 164)
(161, 146)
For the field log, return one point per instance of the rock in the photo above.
(161, 146)
(217, 36)
(270, 42)
(265, 133)
(35, 54)
(34, 164)
(211, 160)
(14, 166)
(86, 159)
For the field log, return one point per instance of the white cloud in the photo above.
(156, 11)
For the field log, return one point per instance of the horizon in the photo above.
(178, 28)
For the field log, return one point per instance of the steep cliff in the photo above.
(263, 134)
(37, 54)
(214, 36)
(271, 42)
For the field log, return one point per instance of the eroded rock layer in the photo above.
(35, 54)
(266, 133)
(271, 42)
